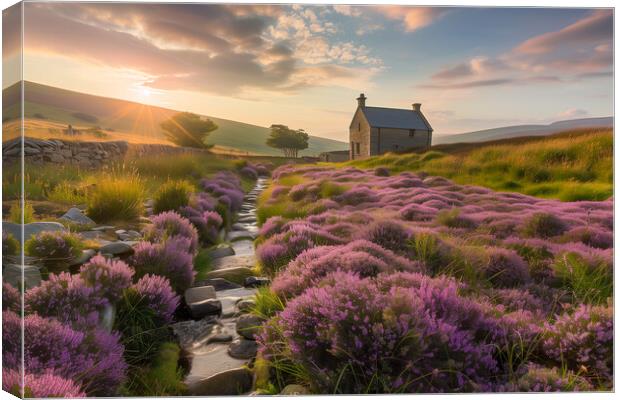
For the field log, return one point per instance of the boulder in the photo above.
(31, 229)
(84, 258)
(243, 349)
(249, 325)
(201, 309)
(76, 216)
(221, 250)
(199, 293)
(12, 274)
(226, 383)
(117, 248)
(236, 275)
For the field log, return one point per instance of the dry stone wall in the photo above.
(84, 154)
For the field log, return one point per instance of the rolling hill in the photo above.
(523, 130)
(48, 108)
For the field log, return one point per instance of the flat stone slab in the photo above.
(243, 349)
(190, 332)
(218, 284)
(235, 261)
(104, 228)
(84, 258)
(31, 229)
(209, 374)
(230, 298)
(236, 275)
(221, 250)
(201, 309)
(240, 235)
(230, 382)
(76, 216)
(243, 247)
(200, 293)
(117, 248)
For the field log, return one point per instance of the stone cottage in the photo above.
(377, 130)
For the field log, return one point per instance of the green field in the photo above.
(570, 166)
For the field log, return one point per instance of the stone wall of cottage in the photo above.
(85, 154)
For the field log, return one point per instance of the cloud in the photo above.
(490, 82)
(473, 67)
(347, 10)
(412, 18)
(574, 113)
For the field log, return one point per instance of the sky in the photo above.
(303, 66)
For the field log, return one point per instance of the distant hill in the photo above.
(47, 103)
(523, 130)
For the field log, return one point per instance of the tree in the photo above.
(188, 130)
(290, 141)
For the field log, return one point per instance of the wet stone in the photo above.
(218, 284)
(117, 248)
(199, 293)
(256, 281)
(243, 349)
(76, 216)
(201, 309)
(226, 383)
(221, 250)
(249, 325)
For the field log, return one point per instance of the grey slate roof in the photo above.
(381, 117)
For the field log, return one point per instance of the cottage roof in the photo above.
(381, 117)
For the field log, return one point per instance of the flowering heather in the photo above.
(42, 385)
(68, 298)
(357, 196)
(159, 296)
(94, 359)
(591, 236)
(107, 277)
(11, 298)
(544, 225)
(505, 268)
(170, 259)
(55, 249)
(249, 172)
(207, 223)
(225, 184)
(389, 235)
(170, 224)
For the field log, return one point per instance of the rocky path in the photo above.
(218, 340)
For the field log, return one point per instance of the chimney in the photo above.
(361, 101)
(416, 106)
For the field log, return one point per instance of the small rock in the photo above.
(236, 275)
(103, 228)
(189, 332)
(245, 305)
(117, 248)
(294, 390)
(243, 349)
(199, 293)
(204, 308)
(249, 325)
(256, 281)
(227, 383)
(221, 250)
(120, 231)
(84, 258)
(218, 284)
(12, 274)
(233, 262)
(75, 215)
(33, 228)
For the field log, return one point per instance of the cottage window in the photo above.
(357, 145)
(411, 132)
(359, 126)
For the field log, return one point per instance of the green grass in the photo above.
(116, 197)
(588, 283)
(570, 166)
(172, 195)
(202, 264)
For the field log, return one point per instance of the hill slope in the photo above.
(79, 109)
(523, 130)
(570, 166)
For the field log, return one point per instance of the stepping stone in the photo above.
(12, 274)
(238, 227)
(230, 298)
(31, 229)
(256, 281)
(248, 219)
(190, 332)
(117, 248)
(76, 216)
(239, 235)
(235, 261)
(246, 305)
(103, 228)
(218, 284)
(199, 293)
(201, 309)
(243, 349)
(236, 275)
(243, 247)
(226, 383)
(221, 250)
(249, 326)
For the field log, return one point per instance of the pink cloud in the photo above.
(413, 18)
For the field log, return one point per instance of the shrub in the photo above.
(428, 248)
(15, 214)
(162, 377)
(453, 219)
(68, 298)
(207, 223)
(118, 198)
(389, 235)
(11, 298)
(170, 224)
(589, 280)
(171, 196)
(10, 245)
(170, 259)
(543, 225)
(357, 196)
(590, 236)
(249, 172)
(55, 249)
(142, 317)
(505, 268)
(39, 385)
(382, 171)
(107, 277)
(583, 338)
(93, 359)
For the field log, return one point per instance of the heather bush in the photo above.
(593, 237)
(168, 225)
(108, 278)
(54, 249)
(428, 248)
(382, 171)
(543, 225)
(453, 219)
(588, 279)
(505, 268)
(389, 235)
(93, 359)
(249, 172)
(142, 317)
(10, 245)
(171, 196)
(42, 385)
(170, 259)
(537, 378)
(582, 340)
(538, 257)
(67, 298)
(11, 298)
(356, 196)
(207, 223)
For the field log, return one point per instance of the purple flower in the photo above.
(159, 296)
(42, 385)
(170, 224)
(108, 277)
(11, 298)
